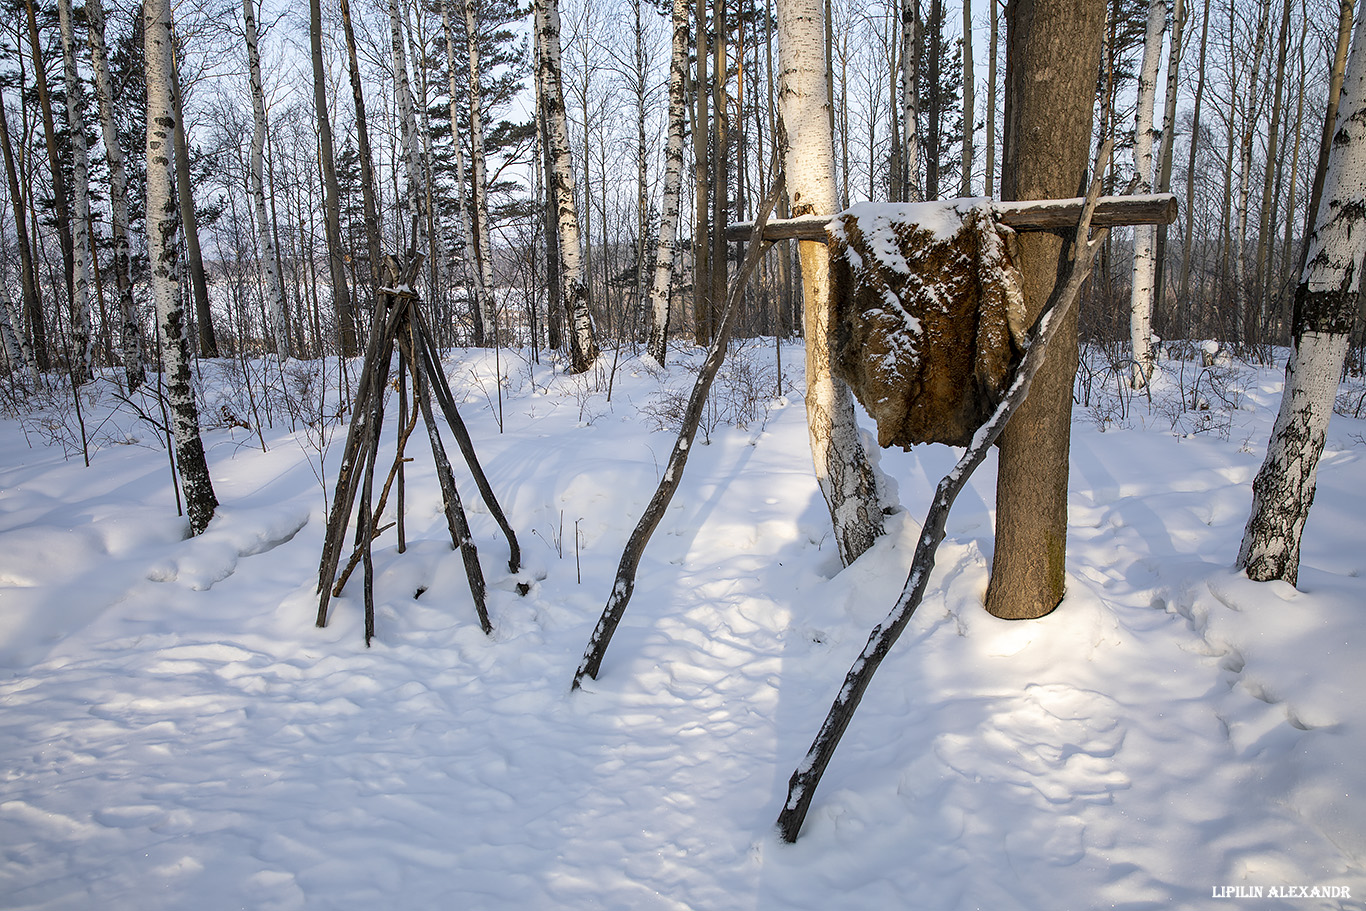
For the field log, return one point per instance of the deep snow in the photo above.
(175, 733)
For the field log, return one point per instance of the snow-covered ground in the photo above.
(175, 733)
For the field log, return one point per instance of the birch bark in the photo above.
(163, 224)
(843, 471)
(1145, 236)
(478, 172)
(408, 138)
(465, 217)
(130, 328)
(657, 346)
(1324, 318)
(275, 292)
(83, 357)
(583, 344)
(336, 257)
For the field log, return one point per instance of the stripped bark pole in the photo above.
(802, 785)
(625, 582)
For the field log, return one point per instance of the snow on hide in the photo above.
(928, 316)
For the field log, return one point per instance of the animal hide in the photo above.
(928, 316)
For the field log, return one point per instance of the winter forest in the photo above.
(767, 454)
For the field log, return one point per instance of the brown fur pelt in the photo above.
(928, 316)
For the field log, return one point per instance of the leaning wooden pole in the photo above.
(678, 458)
(801, 786)
(456, 521)
(446, 401)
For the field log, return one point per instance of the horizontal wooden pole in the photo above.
(1027, 215)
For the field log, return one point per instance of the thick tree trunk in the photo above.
(845, 475)
(130, 325)
(583, 344)
(1325, 316)
(82, 367)
(336, 257)
(657, 347)
(163, 223)
(1052, 57)
(1145, 236)
(1335, 78)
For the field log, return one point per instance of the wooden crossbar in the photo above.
(1026, 215)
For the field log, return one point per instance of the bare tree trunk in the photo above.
(843, 471)
(163, 222)
(480, 225)
(1251, 114)
(933, 138)
(701, 134)
(275, 292)
(367, 167)
(1335, 79)
(336, 262)
(415, 209)
(1145, 236)
(1190, 165)
(82, 368)
(33, 301)
(1266, 234)
(1325, 316)
(910, 100)
(208, 341)
(1164, 154)
(465, 217)
(1047, 133)
(969, 103)
(991, 101)
(59, 195)
(130, 330)
(657, 346)
(583, 343)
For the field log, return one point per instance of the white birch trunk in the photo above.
(408, 138)
(1145, 236)
(657, 346)
(163, 224)
(582, 338)
(478, 176)
(83, 366)
(843, 471)
(465, 218)
(17, 349)
(130, 329)
(275, 291)
(1325, 315)
(910, 101)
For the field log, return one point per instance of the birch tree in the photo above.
(33, 300)
(657, 346)
(1145, 236)
(130, 325)
(163, 224)
(1324, 319)
(583, 343)
(82, 367)
(969, 105)
(843, 471)
(463, 214)
(479, 179)
(275, 291)
(408, 138)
